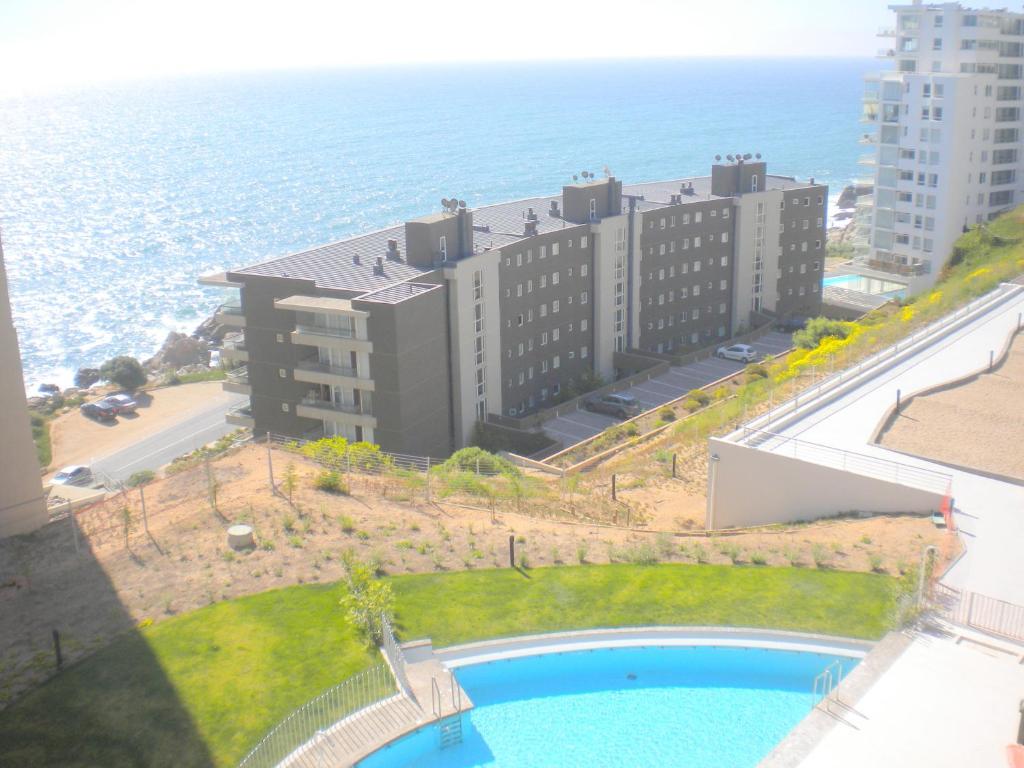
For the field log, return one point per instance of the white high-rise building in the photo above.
(947, 146)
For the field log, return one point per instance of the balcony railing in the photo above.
(230, 308)
(314, 364)
(236, 343)
(316, 402)
(239, 375)
(323, 330)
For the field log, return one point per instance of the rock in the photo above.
(71, 392)
(850, 193)
(37, 402)
(179, 349)
(51, 389)
(211, 330)
(86, 377)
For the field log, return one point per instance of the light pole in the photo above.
(715, 458)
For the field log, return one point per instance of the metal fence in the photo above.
(372, 688)
(988, 614)
(831, 382)
(848, 461)
(395, 656)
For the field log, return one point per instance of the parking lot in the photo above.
(676, 382)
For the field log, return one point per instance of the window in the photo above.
(519, 259)
(725, 261)
(522, 378)
(721, 308)
(519, 290)
(554, 249)
(583, 297)
(593, 209)
(555, 334)
(753, 183)
(725, 213)
(696, 242)
(697, 217)
(282, 372)
(583, 353)
(285, 407)
(723, 285)
(661, 223)
(554, 278)
(543, 281)
(280, 338)
(443, 248)
(686, 218)
(583, 270)
(583, 324)
(543, 252)
(696, 290)
(519, 320)
(583, 242)
(529, 286)
(556, 363)
(696, 266)
(544, 339)
(520, 352)
(725, 237)
(543, 310)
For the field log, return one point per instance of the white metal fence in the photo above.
(980, 611)
(831, 382)
(396, 658)
(848, 461)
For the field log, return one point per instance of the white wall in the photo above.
(747, 486)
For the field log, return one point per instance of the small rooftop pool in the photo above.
(636, 706)
(872, 285)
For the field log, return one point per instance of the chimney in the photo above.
(530, 227)
(379, 268)
(553, 210)
(812, 179)
(530, 215)
(393, 254)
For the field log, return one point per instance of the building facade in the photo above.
(945, 146)
(408, 336)
(22, 503)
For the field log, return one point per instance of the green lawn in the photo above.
(201, 689)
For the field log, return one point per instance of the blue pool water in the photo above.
(692, 706)
(867, 285)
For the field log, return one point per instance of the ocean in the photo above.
(114, 199)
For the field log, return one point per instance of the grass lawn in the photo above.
(201, 689)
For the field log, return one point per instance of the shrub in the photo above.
(819, 328)
(347, 524)
(875, 562)
(124, 371)
(368, 599)
(821, 556)
(759, 558)
(330, 481)
(692, 405)
(721, 393)
(86, 377)
(581, 552)
(699, 395)
(666, 415)
(755, 371)
(141, 477)
(288, 523)
(479, 460)
(640, 554)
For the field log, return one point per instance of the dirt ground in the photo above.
(977, 424)
(184, 562)
(77, 439)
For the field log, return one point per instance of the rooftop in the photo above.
(351, 265)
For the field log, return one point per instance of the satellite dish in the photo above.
(462, 203)
(575, 177)
(757, 155)
(444, 202)
(729, 158)
(746, 156)
(718, 158)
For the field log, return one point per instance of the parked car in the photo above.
(120, 403)
(619, 405)
(744, 353)
(76, 474)
(99, 410)
(792, 324)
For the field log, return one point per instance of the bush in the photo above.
(820, 328)
(666, 415)
(691, 405)
(141, 477)
(368, 599)
(721, 393)
(479, 460)
(699, 395)
(126, 372)
(755, 371)
(330, 481)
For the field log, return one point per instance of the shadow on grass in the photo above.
(62, 722)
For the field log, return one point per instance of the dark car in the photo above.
(120, 403)
(618, 405)
(100, 411)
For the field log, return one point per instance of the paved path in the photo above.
(197, 428)
(990, 513)
(676, 382)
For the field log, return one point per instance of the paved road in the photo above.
(677, 381)
(199, 427)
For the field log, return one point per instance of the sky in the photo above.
(46, 44)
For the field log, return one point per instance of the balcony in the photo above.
(335, 338)
(230, 314)
(885, 53)
(234, 349)
(313, 371)
(240, 416)
(237, 381)
(317, 408)
(886, 32)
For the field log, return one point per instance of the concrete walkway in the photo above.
(990, 513)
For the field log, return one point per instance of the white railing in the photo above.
(373, 687)
(831, 382)
(849, 461)
(396, 658)
(988, 614)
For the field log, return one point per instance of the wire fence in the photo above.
(294, 741)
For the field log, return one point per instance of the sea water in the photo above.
(114, 199)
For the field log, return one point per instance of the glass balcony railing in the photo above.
(316, 402)
(230, 308)
(316, 365)
(323, 330)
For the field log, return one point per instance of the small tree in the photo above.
(291, 480)
(368, 599)
(126, 372)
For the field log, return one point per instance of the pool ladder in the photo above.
(450, 727)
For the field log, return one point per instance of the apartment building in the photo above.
(408, 336)
(945, 149)
(22, 502)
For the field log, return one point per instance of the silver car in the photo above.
(76, 474)
(743, 353)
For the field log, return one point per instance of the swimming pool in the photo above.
(647, 706)
(864, 284)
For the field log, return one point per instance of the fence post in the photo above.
(674, 465)
(613, 487)
(142, 504)
(270, 465)
(511, 551)
(74, 524)
(56, 649)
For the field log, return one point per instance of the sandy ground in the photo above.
(78, 440)
(977, 424)
(184, 563)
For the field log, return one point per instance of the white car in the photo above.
(76, 474)
(744, 353)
